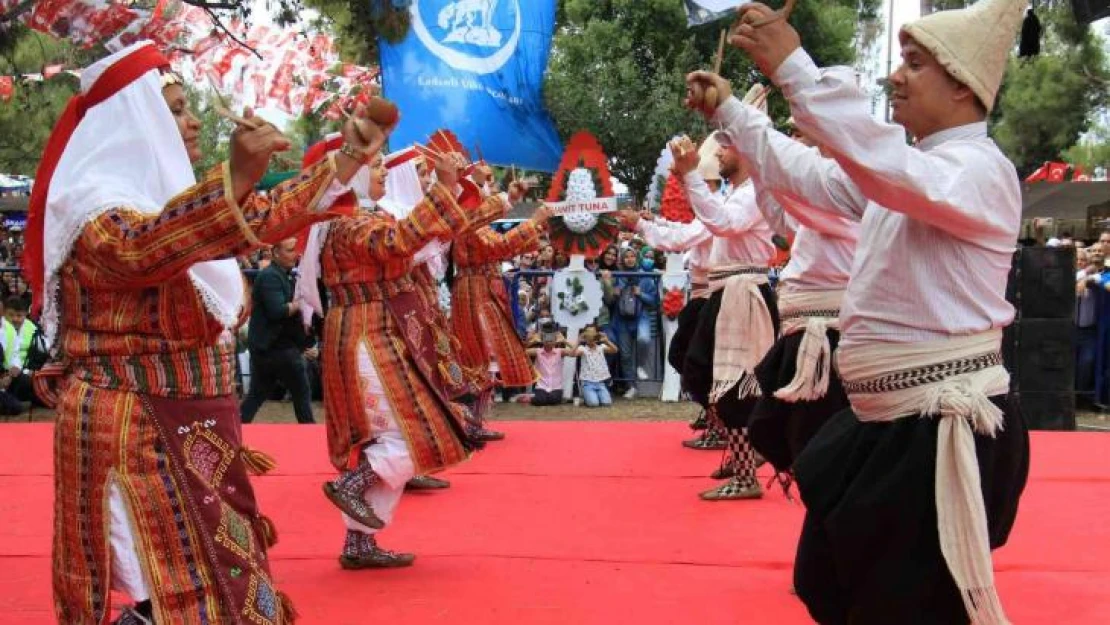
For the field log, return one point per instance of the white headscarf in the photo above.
(308, 270)
(126, 152)
(403, 190)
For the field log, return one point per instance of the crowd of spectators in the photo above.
(629, 317)
(1091, 278)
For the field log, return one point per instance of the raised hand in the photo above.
(251, 149)
(543, 214)
(517, 190)
(765, 36)
(449, 167)
(713, 91)
(686, 157)
(363, 134)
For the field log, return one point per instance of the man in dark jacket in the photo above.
(276, 338)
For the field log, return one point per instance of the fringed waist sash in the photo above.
(811, 312)
(744, 330)
(952, 379)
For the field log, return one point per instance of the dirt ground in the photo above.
(638, 410)
(621, 410)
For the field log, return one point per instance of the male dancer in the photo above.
(800, 390)
(697, 242)
(718, 370)
(739, 323)
(909, 490)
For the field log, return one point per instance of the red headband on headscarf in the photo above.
(121, 74)
(319, 151)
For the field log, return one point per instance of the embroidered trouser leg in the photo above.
(388, 454)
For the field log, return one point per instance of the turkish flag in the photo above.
(51, 71)
(1057, 172)
(7, 88)
(1039, 175)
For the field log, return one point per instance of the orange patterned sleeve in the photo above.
(126, 248)
(491, 209)
(437, 216)
(292, 206)
(489, 245)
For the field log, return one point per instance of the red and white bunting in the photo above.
(293, 74)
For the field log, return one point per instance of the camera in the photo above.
(549, 330)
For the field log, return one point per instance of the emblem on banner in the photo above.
(465, 28)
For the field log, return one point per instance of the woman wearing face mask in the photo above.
(628, 318)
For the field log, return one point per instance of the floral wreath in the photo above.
(583, 175)
(583, 233)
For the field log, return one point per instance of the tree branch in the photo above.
(218, 5)
(219, 24)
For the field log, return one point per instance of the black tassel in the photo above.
(1030, 45)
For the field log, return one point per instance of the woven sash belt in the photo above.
(953, 380)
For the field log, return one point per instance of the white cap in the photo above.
(973, 44)
(756, 95)
(708, 166)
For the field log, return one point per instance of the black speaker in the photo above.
(1042, 282)
(1047, 411)
(1044, 350)
(1087, 11)
(1009, 353)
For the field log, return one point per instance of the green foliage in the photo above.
(1093, 152)
(359, 23)
(214, 131)
(618, 70)
(28, 118)
(1048, 102)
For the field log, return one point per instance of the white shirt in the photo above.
(670, 236)
(594, 368)
(942, 218)
(729, 230)
(741, 235)
(822, 253)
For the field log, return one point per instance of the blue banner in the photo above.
(476, 67)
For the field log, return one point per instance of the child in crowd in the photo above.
(549, 365)
(594, 372)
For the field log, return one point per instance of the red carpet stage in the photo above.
(582, 524)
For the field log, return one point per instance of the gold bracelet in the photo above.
(360, 156)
